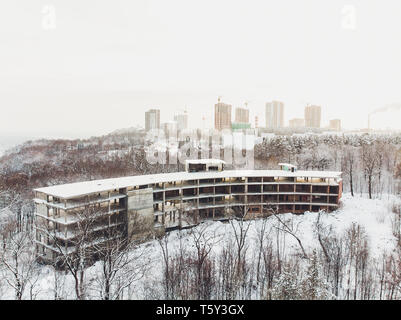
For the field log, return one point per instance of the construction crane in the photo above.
(247, 102)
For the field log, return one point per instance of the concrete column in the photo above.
(246, 195)
(47, 224)
(181, 208)
(164, 205)
(65, 216)
(278, 192)
(328, 192)
(246, 191)
(214, 196)
(65, 231)
(197, 204)
(261, 195)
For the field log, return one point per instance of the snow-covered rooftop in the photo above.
(73, 190)
(205, 161)
(289, 165)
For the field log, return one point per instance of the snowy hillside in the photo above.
(375, 217)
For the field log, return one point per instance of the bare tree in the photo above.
(9, 220)
(59, 287)
(122, 262)
(204, 241)
(372, 161)
(332, 247)
(319, 230)
(348, 165)
(263, 239)
(226, 270)
(240, 229)
(177, 270)
(396, 222)
(291, 230)
(76, 254)
(18, 260)
(358, 252)
(393, 278)
(168, 282)
(243, 269)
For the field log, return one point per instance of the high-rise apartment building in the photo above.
(313, 116)
(335, 124)
(152, 119)
(274, 114)
(182, 121)
(241, 115)
(170, 128)
(222, 116)
(297, 123)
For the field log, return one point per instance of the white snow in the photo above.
(373, 215)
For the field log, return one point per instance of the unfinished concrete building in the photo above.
(205, 191)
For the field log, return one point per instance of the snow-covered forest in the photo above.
(352, 253)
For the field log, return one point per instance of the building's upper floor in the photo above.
(198, 172)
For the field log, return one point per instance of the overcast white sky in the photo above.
(106, 62)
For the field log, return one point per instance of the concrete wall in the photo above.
(140, 212)
(41, 209)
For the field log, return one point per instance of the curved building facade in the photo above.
(205, 191)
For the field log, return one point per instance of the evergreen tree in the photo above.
(314, 287)
(286, 287)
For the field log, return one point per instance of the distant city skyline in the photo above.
(152, 119)
(224, 118)
(152, 53)
(222, 115)
(313, 116)
(274, 115)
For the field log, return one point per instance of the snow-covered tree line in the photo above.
(119, 263)
(257, 267)
(276, 257)
(261, 266)
(370, 163)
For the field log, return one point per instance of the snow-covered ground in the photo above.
(375, 216)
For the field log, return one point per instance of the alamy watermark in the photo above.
(348, 20)
(49, 17)
(236, 149)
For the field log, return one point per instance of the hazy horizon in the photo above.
(78, 69)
